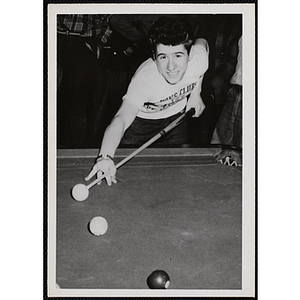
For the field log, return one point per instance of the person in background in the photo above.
(163, 87)
(134, 28)
(222, 31)
(126, 49)
(79, 39)
(228, 131)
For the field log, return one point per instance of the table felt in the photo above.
(175, 210)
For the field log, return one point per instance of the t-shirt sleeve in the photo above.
(200, 58)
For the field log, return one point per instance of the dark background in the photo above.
(109, 76)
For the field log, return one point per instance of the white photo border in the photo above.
(249, 147)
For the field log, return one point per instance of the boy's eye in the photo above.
(162, 57)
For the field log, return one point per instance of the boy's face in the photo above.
(172, 62)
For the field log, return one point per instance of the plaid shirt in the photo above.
(96, 26)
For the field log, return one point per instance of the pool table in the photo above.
(173, 209)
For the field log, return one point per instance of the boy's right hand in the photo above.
(102, 166)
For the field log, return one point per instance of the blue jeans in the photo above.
(228, 130)
(142, 130)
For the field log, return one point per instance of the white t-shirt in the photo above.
(155, 97)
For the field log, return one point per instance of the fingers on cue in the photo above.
(92, 173)
(108, 179)
(99, 174)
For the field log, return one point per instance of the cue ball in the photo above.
(80, 192)
(98, 226)
(158, 280)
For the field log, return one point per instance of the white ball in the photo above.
(98, 226)
(80, 192)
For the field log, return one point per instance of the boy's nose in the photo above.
(171, 64)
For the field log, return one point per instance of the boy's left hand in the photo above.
(197, 103)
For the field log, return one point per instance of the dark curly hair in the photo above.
(170, 31)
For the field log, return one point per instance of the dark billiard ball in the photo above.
(158, 280)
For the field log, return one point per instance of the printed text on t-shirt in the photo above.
(170, 100)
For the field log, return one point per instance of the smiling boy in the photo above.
(163, 87)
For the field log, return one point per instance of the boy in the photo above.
(157, 93)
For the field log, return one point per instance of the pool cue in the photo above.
(172, 125)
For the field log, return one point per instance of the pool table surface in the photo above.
(173, 209)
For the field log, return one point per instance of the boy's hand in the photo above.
(102, 166)
(197, 103)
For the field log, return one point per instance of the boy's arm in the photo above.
(203, 43)
(195, 99)
(112, 137)
(115, 131)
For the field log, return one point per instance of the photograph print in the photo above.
(151, 150)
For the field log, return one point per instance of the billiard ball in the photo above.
(80, 192)
(98, 226)
(158, 280)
